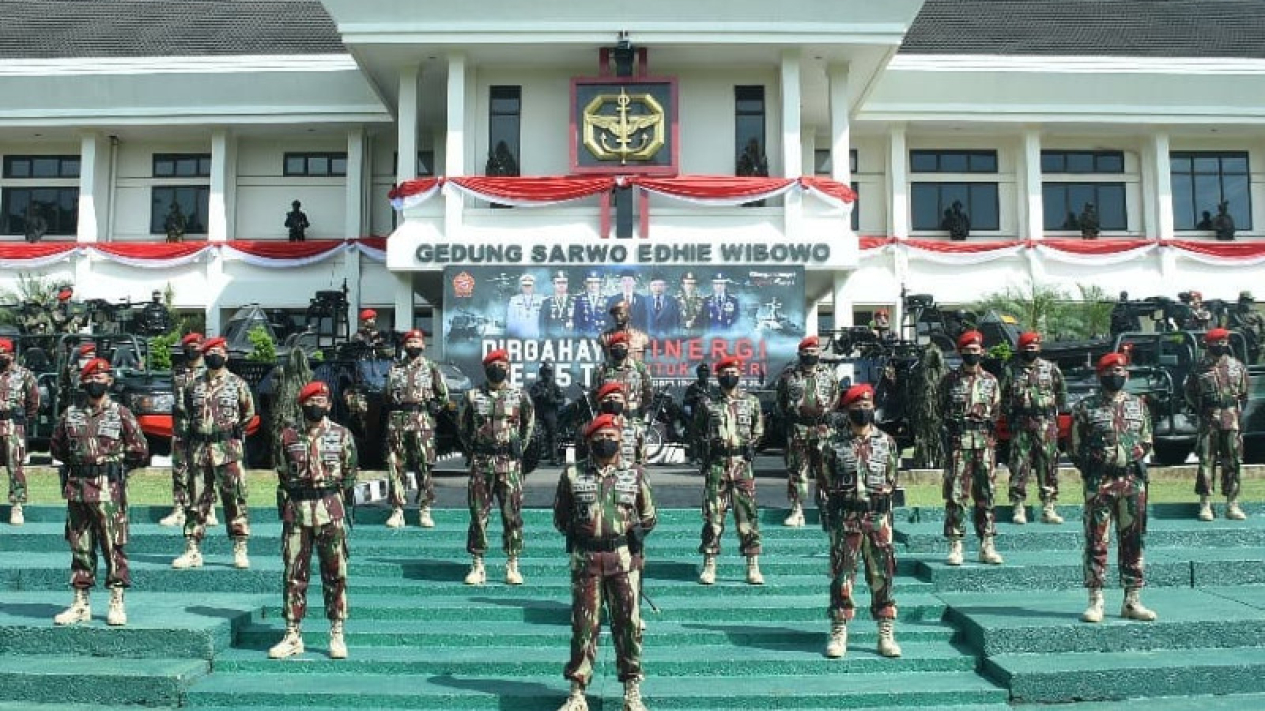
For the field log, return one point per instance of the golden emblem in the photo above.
(635, 131)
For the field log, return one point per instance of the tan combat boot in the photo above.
(191, 558)
(887, 646)
(1233, 512)
(117, 615)
(708, 576)
(175, 518)
(477, 575)
(576, 701)
(1018, 513)
(337, 645)
(290, 645)
(211, 520)
(796, 518)
(424, 518)
(16, 516)
(512, 576)
(837, 645)
(1205, 508)
(241, 561)
(1049, 514)
(632, 696)
(1133, 609)
(955, 552)
(79, 610)
(396, 520)
(754, 577)
(1093, 613)
(988, 552)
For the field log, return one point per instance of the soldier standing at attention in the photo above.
(547, 397)
(805, 394)
(98, 441)
(315, 478)
(68, 382)
(691, 301)
(415, 395)
(182, 487)
(557, 315)
(1217, 390)
(368, 333)
(637, 339)
(602, 504)
(969, 400)
(730, 427)
(1111, 436)
(857, 482)
(19, 404)
(220, 406)
(621, 367)
(1032, 395)
(696, 394)
(497, 420)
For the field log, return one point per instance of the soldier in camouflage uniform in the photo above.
(805, 393)
(497, 421)
(68, 391)
(220, 406)
(19, 404)
(621, 367)
(369, 335)
(731, 426)
(1217, 391)
(1032, 395)
(636, 339)
(316, 476)
(1250, 323)
(602, 505)
(970, 398)
(98, 441)
(693, 319)
(415, 395)
(857, 482)
(1111, 436)
(182, 487)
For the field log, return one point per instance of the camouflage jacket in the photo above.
(692, 318)
(969, 404)
(635, 376)
(415, 382)
(493, 418)
(1108, 433)
(319, 465)
(601, 503)
(219, 408)
(632, 441)
(807, 394)
(87, 437)
(638, 340)
(729, 424)
(860, 466)
(1033, 389)
(180, 382)
(19, 396)
(1217, 391)
(695, 395)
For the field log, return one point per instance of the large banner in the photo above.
(691, 315)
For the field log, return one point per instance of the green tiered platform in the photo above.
(976, 638)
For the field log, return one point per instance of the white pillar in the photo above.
(1163, 186)
(1150, 230)
(898, 183)
(455, 143)
(217, 204)
(792, 144)
(403, 300)
(215, 291)
(354, 223)
(842, 304)
(1031, 201)
(840, 124)
(406, 124)
(351, 274)
(94, 188)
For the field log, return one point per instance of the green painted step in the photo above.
(1048, 622)
(1051, 678)
(1216, 567)
(68, 680)
(34, 706)
(1161, 533)
(1053, 570)
(1226, 702)
(560, 588)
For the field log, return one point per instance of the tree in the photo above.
(1054, 312)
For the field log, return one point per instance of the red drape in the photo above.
(712, 187)
(534, 189)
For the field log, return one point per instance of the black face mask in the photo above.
(496, 374)
(861, 417)
(191, 354)
(215, 361)
(605, 448)
(314, 413)
(5, 363)
(413, 352)
(809, 360)
(971, 359)
(728, 382)
(1218, 351)
(619, 353)
(612, 407)
(95, 389)
(1112, 383)
(1029, 356)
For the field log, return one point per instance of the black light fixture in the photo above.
(624, 55)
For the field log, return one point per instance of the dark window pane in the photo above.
(821, 162)
(856, 207)
(1179, 163)
(204, 165)
(985, 162)
(1109, 162)
(295, 164)
(505, 99)
(186, 167)
(338, 165)
(45, 167)
(925, 201)
(1111, 207)
(56, 208)
(1052, 162)
(193, 201)
(1078, 162)
(954, 192)
(164, 168)
(1234, 164)
(852, 159)
(1183, 201)
(953, 163)
(1207, 192)
(317, 165)
(1207, 164)
(425, 162)
(1054, 204)
(1080, 193)
(18, 168)
(983, 208)
(1236, 193)
(923, 162)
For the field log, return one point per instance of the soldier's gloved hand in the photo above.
(434, 407)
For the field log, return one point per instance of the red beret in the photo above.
(415, 333)
(728, 362)
(1029, 338)
(217, 342)
(809, 342)
(1216, 334)
(87, 348)
(368, 314)
(1111, 360)
(6, 346)
(617, 306)
(94, 366)
(498, 354)
(855, 393)
(65, 294)
(970, 337)
(618, 337)
(313, 389)
(611, 387)
(191, 339)
(599, 423)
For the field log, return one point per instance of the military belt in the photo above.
(114, 470)
(214, 437)
(18, 417)
(728, 451)
(1223, 404)
(309, 493)
(971, 426)
(493, 449)
(847, 502)
(1034, 412)
(815, 420)
(409, 407)
(602, 545)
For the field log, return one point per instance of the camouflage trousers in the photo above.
(1124, 499)
(969, 475)
(805, 460)
(1034, 451)
(730, 482)
(183, 486)
(93, 526)
(596, 578)
(410, 441)
(330, 542)
(13, 450)
(867, 538)
(1222, 449)
(230, 479)
(506, 488)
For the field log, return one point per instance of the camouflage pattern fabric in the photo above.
(91, 441)
(596, 505)
(182, 485)
(638, 341)
(732, 426)
(219, 407)
(632, 441)
(969, 404)
(1217, 391)
(634, 376)
(1110, 437)
(412, 386)
(20, 404)
(804, 397)
(858, 479)
(692, 317)
(495, 422)
(1032, 395)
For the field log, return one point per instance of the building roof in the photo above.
(54, 29)
(1126, 28)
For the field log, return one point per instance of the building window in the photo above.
(315, 165)
(1064, 203)
(55, 210)
(822, 165)
(1202, 180)
(182, 165)
(193, 201)
(932, 200)
(749, 140)
(953, 161)
(1111, 162)
(505, 116)
(425, 163)
(23, 167)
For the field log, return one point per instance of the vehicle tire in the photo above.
(654, 443)
(1170, 454)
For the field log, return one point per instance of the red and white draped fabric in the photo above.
(1094, 252)
(374, 248)
(149, 256)
(22, 255)
(275, 254)
(959, 253)
(162, 255)
(412, 193)
(714, 190)
(1236, 254)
